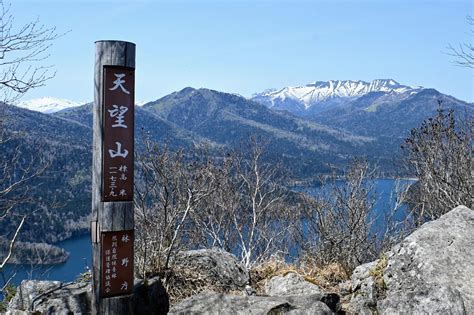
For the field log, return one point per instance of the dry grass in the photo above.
(327, 277)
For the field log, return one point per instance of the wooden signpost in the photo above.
(112, 225)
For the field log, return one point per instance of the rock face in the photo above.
(215, 303)
(54, 297)
(424, 299)
(28, 291)
(217, 267)
(430, 271)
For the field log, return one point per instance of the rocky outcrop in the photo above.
(51, 297)
(435, 260)
(204, 270)
(217, 267)
(429, 272)
(54, 297)
(193, 271)
(286, 294)
(216, 303)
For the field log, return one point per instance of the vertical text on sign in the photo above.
(118, 126)
(117, 263)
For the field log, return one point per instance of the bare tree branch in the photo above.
(464, 52)
(21, 50)
(12, 243)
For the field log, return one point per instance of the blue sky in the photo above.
(247, 46)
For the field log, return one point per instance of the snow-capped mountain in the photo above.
(305, 97)
(381, 109)
(48, 105)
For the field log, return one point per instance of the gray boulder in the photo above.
(293, 284)
(28, 291)
(429, 272)
(290, 284)
(217, 303)
(215, 266)
(434, 267)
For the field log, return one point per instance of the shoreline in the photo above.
(62, 254)
(340, 178)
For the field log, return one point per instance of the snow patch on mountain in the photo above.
(48, 105)
(141, 103)
(321, 91)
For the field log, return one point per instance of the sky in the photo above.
(246, 47)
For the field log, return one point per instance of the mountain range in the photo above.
(336, 122)
(288, 98)
(383, 109)
(48, 105)
(320, 95)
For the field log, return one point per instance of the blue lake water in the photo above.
(80, 259)
(80, 252)
(384, 196)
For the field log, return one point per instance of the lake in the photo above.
(80, 259)
(80, 253)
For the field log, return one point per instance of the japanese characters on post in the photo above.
(118, 134)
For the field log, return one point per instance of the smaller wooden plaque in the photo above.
(117, 263)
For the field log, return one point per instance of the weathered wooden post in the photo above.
(112, 225)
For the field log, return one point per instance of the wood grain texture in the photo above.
(109, 216)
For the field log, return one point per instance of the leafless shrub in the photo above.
(439, 153)
(186, 199)
(340, 226)
(247, 213)
(337, 224)
(236, 201)
(168, 190)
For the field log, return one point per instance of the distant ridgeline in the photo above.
(319, 134)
